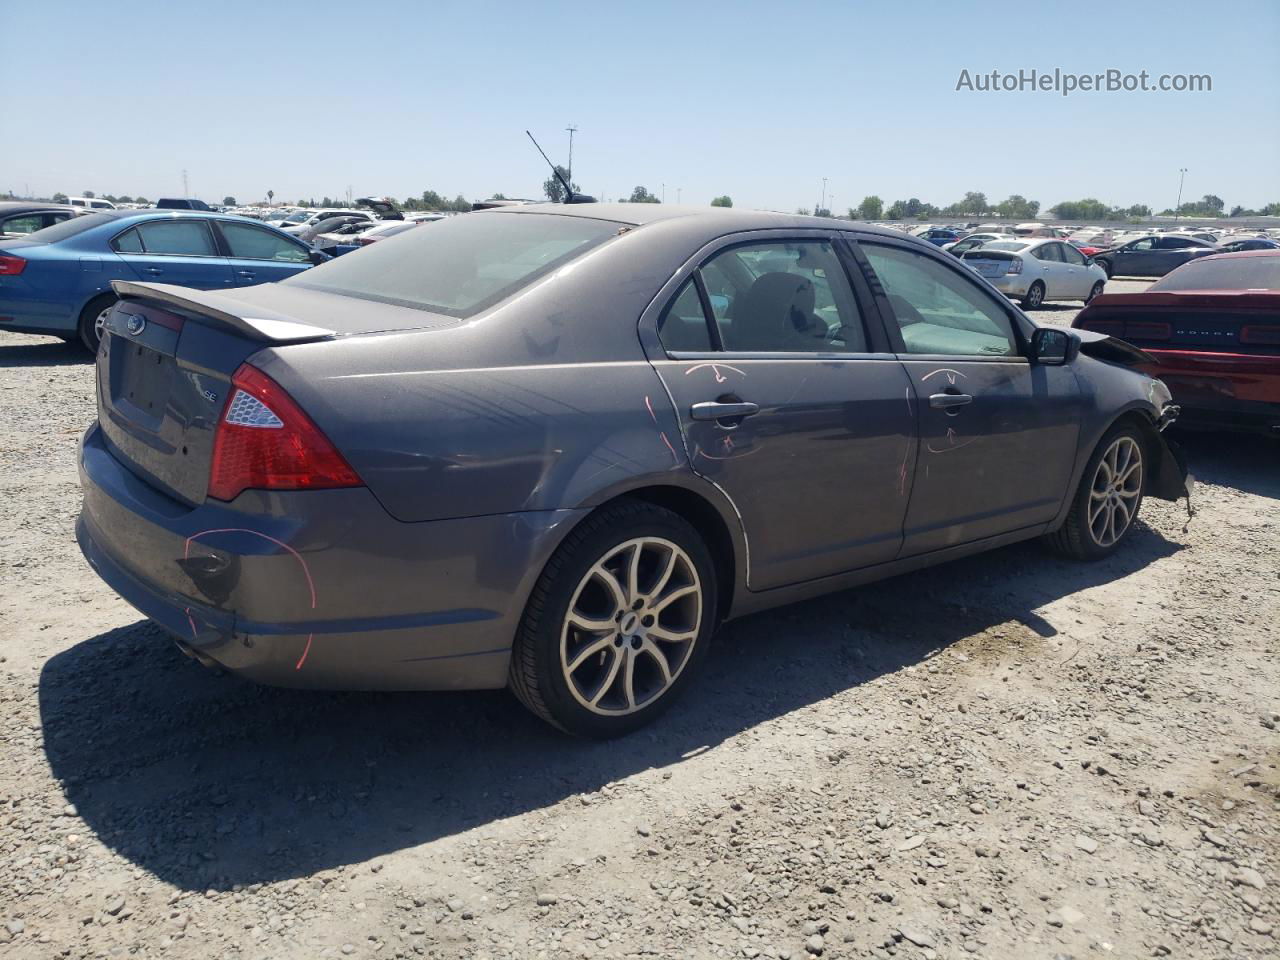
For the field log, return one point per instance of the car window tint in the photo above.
(245, 241)
(1072, 255)
(27, 223)
(128, 242)
(177, 238)
(683, 325)
(1145, 244)
(784, 297)
(938, 310)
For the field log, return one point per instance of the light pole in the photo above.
(823, 202)
(572, 130)
(1177, 211)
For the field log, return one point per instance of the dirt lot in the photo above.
(1011, 756)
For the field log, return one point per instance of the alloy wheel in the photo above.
(631, 626)
(1035, 296)
(100, 323)
(1115, 491)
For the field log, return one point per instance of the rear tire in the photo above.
(89, 327)
(1034, 298)
(1107, 502)
(617, 623)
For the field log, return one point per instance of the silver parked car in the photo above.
(555, 447)
(1036, 271)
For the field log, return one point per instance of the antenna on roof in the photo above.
(569, 195)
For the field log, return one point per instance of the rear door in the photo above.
(1173, 252)
(997, 435)
(789, 401)
(259, 255)
(181, 251)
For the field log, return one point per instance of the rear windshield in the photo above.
(70, 228)
(1230, 273)
(462, 265)
(1002, 245)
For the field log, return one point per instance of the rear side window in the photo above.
(128, 242)
(177, 238)
(684, 324)
(27, 223)
(461, 265)
(785, 297)
(938, 310)
(248, 242)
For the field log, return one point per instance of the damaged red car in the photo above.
(1212, 331)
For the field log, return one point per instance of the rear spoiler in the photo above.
(219, 310)
(1233, 299)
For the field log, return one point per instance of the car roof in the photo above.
(731, 218)
(15, 206)
(1238, 255)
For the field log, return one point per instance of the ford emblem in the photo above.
(135, 324)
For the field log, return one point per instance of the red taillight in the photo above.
(1015, 266)
(265, 442)
(1260, 335)
(11, 266)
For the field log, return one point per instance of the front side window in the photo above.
(788, 297)
(1141, 246)
(938, 310)
(1071, 254)
(247, 242)
(462, 265)
(177, 238)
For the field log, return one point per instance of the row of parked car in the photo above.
(58, 262)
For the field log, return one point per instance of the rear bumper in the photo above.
(1221, 391)
(318, 589)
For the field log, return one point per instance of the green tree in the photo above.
(432, 200)
(1210, 202)
(1270, 210)
(89, 193)
(1138, 210)
(125, 199)
(229, 201)
(59, 198)
(723, 201)
(460, 204)
(821, 212)
(141, 200)
(554, 189)
(1017, 207)
(974, 202)
(1087, 209)
(871, 208)
(642, 195)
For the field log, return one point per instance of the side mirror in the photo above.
(1053, 346)
(318, 257)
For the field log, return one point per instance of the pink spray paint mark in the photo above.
(674, 456)
(649, 404)
(306, 572)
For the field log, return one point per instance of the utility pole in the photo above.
(678, 192)
(1177, 211)
(823, 202)
(572, 130)
(664, 193)
(186, 192)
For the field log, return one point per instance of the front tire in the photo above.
(1034, 297)
(1096, 291)
(617, 623)
(1109, 497)
(92, 319)
(1106, 267)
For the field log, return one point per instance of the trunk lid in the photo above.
(990, 263)
(1243, 323)
(168, 355)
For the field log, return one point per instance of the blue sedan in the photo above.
(57, 281)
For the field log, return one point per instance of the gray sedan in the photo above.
(555, 447)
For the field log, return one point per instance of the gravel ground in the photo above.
(1010, 756)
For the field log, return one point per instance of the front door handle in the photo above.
(946, 401)
(246, 273)
(723, 410)
(154, 271)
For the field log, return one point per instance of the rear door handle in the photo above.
(717, 410)
(945, 401)
(246, 273)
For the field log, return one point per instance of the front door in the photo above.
(787, 407)
(997, 434)
(1081, 280)
(259, 255)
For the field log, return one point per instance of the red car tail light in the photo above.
(1015, 266)
(265, 442)
(1260, 335)
(11, 266)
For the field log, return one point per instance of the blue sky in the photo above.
(759, 100)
